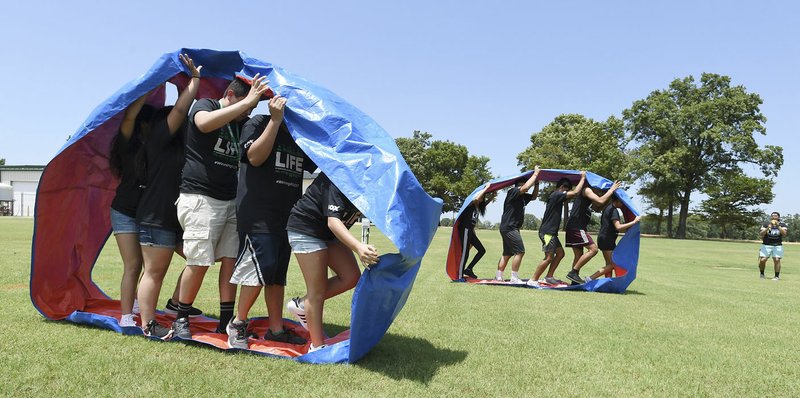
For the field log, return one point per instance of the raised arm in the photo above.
(601, 200)
(368, 254)
(531, 182)
(129, 120)
(178, 113)
(208, 122)
(479, 196)
(261, 148)
(624, 227)
(577, 189)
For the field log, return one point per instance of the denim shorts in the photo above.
(122, 224)
(151, 236)
(304, 244)
(769, 250)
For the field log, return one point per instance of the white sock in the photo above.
(498, 274)
(135, 306)
(514, 274)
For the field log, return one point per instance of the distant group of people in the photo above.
(218, 186)
(584, 200)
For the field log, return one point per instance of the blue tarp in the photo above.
(625, 256)
(347, 145)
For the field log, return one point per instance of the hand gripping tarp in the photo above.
(72, 208)
(625, 257)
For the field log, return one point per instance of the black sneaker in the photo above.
(154, 329)
(180, 329)
(172, 309)
(468, 272)
(237, 335)
(286, 336)
(573, 276)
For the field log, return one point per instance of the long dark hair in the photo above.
(141, 156)
(119, 147)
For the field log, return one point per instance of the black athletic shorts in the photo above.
(550, 243)
(512, 242)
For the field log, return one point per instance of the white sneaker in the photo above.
(126, 321)
(587, 279)
(135, 306)
(296, 307)
(499, 277)
(532, 282)
(311, 347)
(516, 281)
(777, 278)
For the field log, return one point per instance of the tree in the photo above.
(730, 201)
(692, 133)
(531, 222)
(446, 222)
(443, 168)
(576, 142)
(2, 161)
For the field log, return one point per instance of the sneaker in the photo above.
(533, 283)
(237, 334)
(127, 321)
(285, 336)
(468, 272)
(311, 348)
(552, 281)
(180, 329)
(172, 309)
(499, 277)
(777, 278)
(587, 279)
(135, 309)
(154, 329)
(763, 277)
(573, 276)
(295, 306)
(516, 281)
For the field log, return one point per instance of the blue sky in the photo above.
(485, 75)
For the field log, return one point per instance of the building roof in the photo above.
(21, 168)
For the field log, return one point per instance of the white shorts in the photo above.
(209, 228)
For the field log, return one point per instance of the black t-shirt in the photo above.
(608, 232)
(773, 236)
(580, 214)
(469, 218)
(129, 189)
(267, 193)
(212, 159)
(514, 209)
(322, 199)
(552, 213)
(164, 157)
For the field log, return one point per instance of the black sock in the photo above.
(225, 313)
(778, 274)
(183, 310)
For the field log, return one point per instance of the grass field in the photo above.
(696, 322)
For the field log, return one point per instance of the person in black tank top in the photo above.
(466, 230)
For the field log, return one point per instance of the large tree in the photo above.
(575, 142)
(2, 161)
(692, 133)
(731, 201)
(445, 169)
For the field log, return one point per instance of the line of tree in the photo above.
(691, 137)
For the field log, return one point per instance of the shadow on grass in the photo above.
(402, 357)
(634, 293)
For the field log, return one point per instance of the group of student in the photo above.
(214, 185)
(585, 199)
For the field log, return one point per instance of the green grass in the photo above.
(696, 322)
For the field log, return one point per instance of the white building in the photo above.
(25, 181)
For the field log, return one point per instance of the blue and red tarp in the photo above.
(72, 221)
(625, 256)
